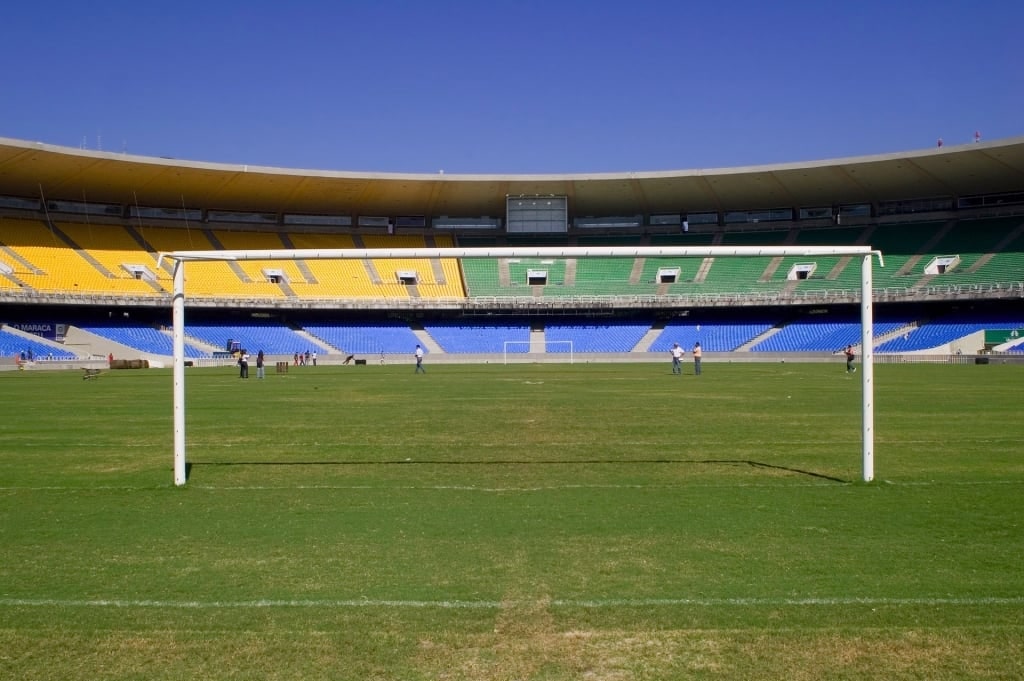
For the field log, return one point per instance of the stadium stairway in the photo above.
(193, 341)
(1000, 247)
(537, 337)
(863, 240)
(570, 272)
(928, 247)
(235, 267)
(60, 234)
(286, 289)
(307, 273)
(896, 333)
(776, 262)
(314, 341)
(85, 343)
(644, 344)
(745, 347)
(16, 257)
(425, 339)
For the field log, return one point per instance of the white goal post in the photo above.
(866, 253)
(505, 345)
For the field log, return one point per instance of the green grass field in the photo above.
(520, 522)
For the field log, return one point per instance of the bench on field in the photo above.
(90, 373)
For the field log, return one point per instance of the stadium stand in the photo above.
(14, 345)
(103, 259)
(592, 335)
(330, 278)
(713, 334)
(142, 338)
(274, 339)
(989, 252)
(366, 337)
(434, 278)
(903, 245)
(44, 259)
(468, 336)
(829, 273)
(211, 279)
(810, 334)
(951, 328)
(1016, 348)
(279, 273)
(116, 255)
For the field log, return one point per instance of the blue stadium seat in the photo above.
(142, 338)
(596, 336)
(468, 336)
(366, 337)
(12, 344)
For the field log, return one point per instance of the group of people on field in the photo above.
(301, 359)
(678, 353)
(243, 364)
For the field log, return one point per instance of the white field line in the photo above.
(495, 605)
(477, 488)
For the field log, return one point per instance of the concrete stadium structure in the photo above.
(66, 196)
(50, 183)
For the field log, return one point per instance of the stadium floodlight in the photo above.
(866, 253)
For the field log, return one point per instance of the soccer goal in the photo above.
(865, 253)
(562, 347)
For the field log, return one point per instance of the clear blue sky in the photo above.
(496, 86)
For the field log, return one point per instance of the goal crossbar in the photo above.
(866, 253)
(518, 252)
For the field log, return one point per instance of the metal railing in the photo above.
(993, 290)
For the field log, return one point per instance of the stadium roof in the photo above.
(32, 169)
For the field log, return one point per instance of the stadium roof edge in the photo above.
(68, 173)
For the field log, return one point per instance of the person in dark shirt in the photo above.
(849, 359)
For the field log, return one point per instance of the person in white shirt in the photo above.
(677, 358)
(419, 361)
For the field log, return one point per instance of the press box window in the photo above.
(275, 276)
(801, 271)
(537, 277)
(668, 275)
(942, 264)
(139, 272)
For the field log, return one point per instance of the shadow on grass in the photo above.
(514, 462)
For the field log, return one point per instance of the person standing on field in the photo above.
(849, 359)
(696, 359)
(259, 364)
(419, 361)
(677, 358)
